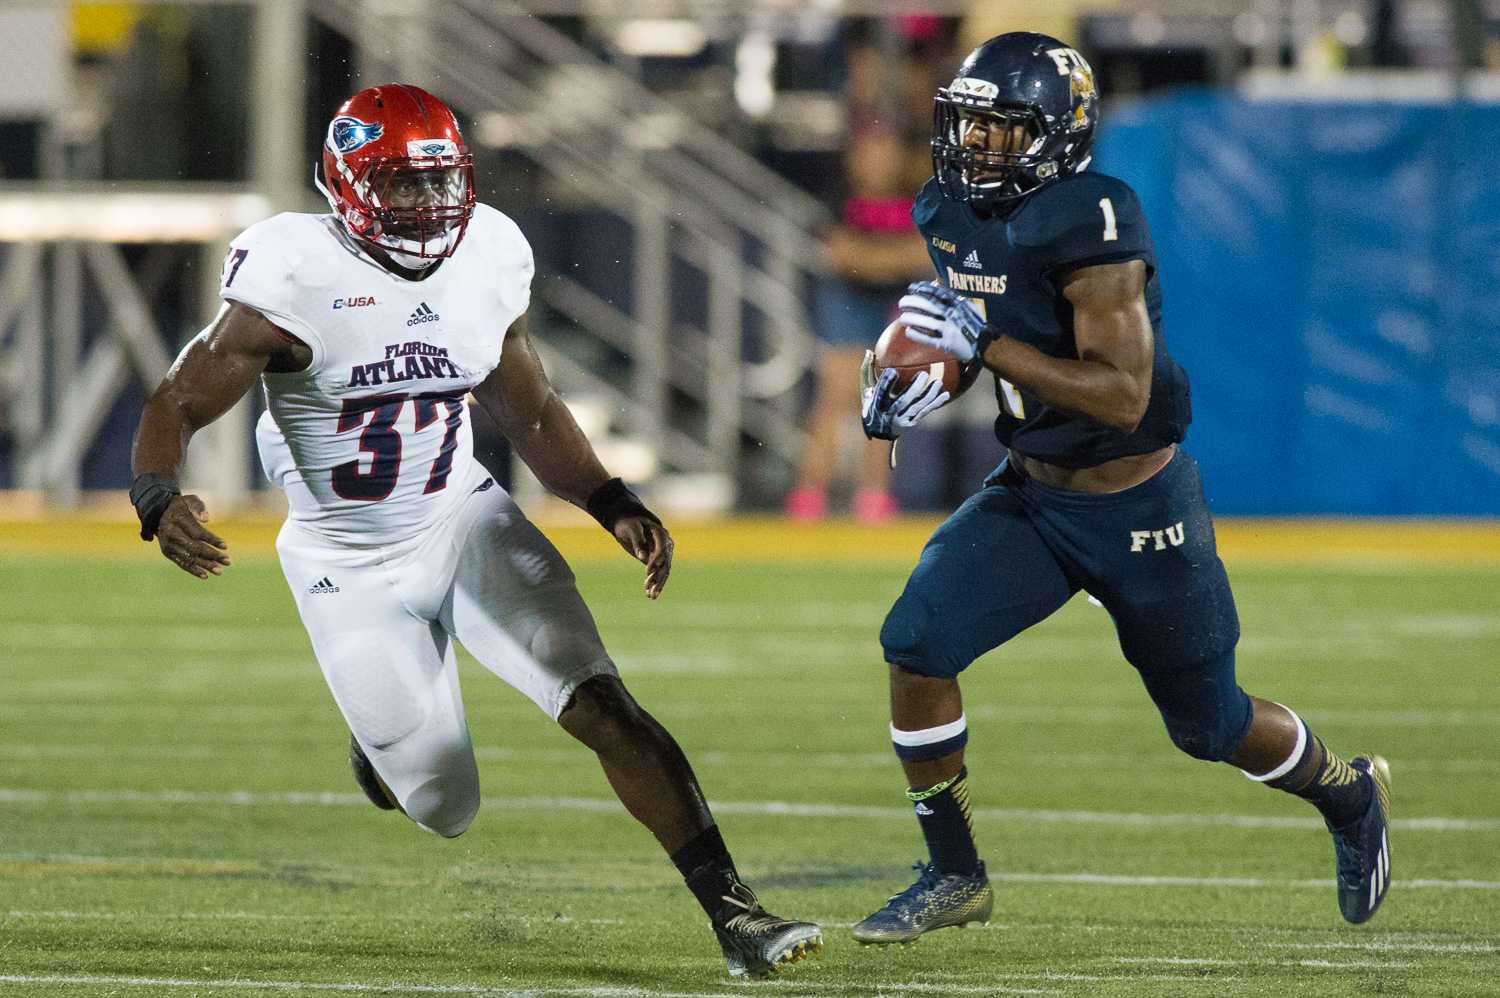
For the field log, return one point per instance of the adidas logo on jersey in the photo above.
(422, 314)
(972, 260)
(323, 585)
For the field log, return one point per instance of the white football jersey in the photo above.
(366, 441)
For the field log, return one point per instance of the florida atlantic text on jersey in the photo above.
(1009, 265)
(366, 439)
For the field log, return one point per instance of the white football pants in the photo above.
(381, 620)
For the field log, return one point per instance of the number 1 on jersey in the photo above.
(1111, 233)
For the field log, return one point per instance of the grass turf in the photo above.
(177, 817)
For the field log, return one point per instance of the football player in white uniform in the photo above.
(368, 328)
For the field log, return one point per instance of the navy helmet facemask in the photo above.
(1024, 79)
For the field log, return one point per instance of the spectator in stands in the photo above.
(873, 252)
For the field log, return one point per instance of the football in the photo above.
(895, 349)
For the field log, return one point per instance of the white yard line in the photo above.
(1189, 961)
(1122, 880)
(737, 759)
(245, 984)
(256, 798)
(1380, 946)
(1394, 942)
(270, 916)
(1464, 717)
(782, 986)
(1350, 965)
(1081, 878)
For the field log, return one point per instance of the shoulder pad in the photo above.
(507, 254)
(273, 265)
(925, 207)
(274, 257)
(501, 237)
(1088, 216)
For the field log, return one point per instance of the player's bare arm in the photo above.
(544, 434)
(213, 373)
(1111, 379)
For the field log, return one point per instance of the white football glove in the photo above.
(934, 315)
(884, 417)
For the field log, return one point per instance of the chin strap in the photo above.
(407, 260)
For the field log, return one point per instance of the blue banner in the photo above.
(1331, 274)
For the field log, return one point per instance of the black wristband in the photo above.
(987, 335)
(613, 501)
(151, 494)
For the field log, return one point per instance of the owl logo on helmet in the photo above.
(1020, 113)
(397, 174)
(347, 133)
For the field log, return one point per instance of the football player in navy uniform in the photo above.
(1048, 278)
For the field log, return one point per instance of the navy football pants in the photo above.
(1017, 550)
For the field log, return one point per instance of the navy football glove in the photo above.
(884, 416)
(934, 315)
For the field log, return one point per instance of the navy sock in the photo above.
(707, 868)
(948, 827)
(1329, 783)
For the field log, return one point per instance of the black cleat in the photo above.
(1363, 848)
(757, 943)
(369, 781)
(935, 901)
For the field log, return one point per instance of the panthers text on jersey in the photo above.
(1008, 265)
(366, 440)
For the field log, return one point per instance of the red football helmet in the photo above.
(398, 174)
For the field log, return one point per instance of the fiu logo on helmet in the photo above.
(973, 88)
(347, 133)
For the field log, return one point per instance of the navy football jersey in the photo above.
(1008, 265)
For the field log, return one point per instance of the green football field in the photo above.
(177, 816)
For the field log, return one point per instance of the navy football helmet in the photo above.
(1018, 79)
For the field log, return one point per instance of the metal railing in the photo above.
(61, 268)
(695, 389)
(689, 197)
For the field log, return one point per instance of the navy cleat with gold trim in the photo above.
(758, 944)
(1363, 848)
(935, 901)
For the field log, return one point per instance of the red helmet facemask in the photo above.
(398, 174)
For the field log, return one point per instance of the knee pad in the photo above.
(913, 638)
(1206, 713)
(1212, 738)
(379, 698)
(444, 805)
